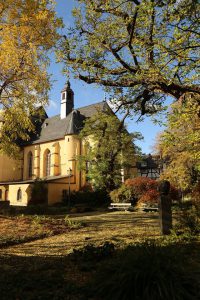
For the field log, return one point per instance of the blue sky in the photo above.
(88, 94)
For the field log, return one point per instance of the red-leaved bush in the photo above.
(141, 190)
(150, 196)
(144, 189)
(141, 185)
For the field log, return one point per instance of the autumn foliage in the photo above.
(28, 32)
(140, 185)
(144, 189)
(141, 190)
(150, 196)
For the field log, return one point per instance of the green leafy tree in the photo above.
(109, 149)
(143, 50)
(28, 31)
(179, 144)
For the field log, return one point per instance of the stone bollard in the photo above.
(165, 211)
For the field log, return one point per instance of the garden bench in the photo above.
(147, 209)
(120, 206)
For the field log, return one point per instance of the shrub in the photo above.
(189, 220)
(122, 194)
(90, 198)
(93, 253)
(150, 196)
(145, 272)
(143, 189)
(140, 185)
(195, 195)
(174, 193)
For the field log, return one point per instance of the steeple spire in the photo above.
(67, 100)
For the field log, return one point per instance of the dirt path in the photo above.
(116, 227)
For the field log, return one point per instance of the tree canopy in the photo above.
(109, 150)
(28, 30)
(143, 50)
(179, 144)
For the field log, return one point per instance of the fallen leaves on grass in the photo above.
(20, 229)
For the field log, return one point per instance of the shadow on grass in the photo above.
(77, 276)
(34, 278)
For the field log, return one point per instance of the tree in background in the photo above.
(28, 30)
(143, 50)
(109, 150)
(179, 144)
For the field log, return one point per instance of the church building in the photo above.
(49, 155)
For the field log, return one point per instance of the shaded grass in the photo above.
(50, 269)
(21, 229)
(79, 276)
(148, 271)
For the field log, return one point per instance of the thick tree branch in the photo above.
(96, 65)
(176, 90)
(151, 52)
(122, 62)
(114, 83)
(131, 32)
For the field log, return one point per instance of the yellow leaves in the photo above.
(27, 30)
(180, 143)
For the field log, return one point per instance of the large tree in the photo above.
(109, 150)
(28, 30)
(146, 48)
(179, 144)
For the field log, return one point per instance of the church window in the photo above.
(30, 164)
(47, 163)
(19, 195)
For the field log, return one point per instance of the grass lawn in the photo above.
(20, 229)
(56, 268)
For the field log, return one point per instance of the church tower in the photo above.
(67, 101)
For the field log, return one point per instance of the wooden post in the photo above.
(165, 211)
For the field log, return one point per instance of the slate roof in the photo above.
(55, 128)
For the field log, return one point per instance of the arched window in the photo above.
(30, 164)
(0, 194)
(19, 195)
(47, 163)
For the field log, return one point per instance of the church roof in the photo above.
(55, 128)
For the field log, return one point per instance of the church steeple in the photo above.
(67, 100)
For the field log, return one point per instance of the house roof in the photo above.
(46, 180)
(55, 128)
